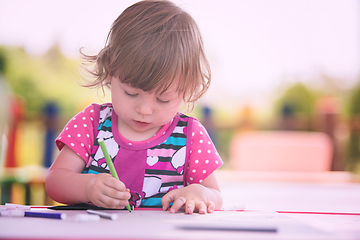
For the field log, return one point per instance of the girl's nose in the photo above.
(144, 107)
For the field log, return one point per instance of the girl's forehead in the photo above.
(165, 86)
(166, 92)
(169, 89)
(172, 87)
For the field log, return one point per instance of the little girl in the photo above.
(153, 62)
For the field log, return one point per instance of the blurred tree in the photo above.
(19, 71)
(48, 78)
(353, 146)
(295, 108)
(2, 61)
(4, 106)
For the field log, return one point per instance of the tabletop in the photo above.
(252, 210)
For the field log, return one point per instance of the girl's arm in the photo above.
(201, 198)
(66, 184)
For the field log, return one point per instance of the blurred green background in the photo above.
(35, 81)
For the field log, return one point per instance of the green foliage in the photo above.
(299, 99)
(353, 145)
(353, 152)
(354, 102)
(48, 78)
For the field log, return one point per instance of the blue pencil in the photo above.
(45, 215)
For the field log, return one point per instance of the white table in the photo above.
(262, 199)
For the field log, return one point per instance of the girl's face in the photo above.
(142, 114)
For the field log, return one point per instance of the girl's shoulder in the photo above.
(190, 119)
(187, 118)
(95, 107)
(196, 127)
(99, 111)
(100, 107)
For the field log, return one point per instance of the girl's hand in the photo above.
(192, 198)
(65, 183)
(103, 190)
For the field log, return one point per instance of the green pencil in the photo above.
(110, 163)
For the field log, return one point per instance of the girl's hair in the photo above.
(150, 46)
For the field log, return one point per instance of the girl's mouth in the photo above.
(141, 124)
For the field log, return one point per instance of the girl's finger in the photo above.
(177, 204)
(201, 207)
(108, 202)
(189, 207)
(114, 183)
(210, 205)
(167, 199)
(116, 194)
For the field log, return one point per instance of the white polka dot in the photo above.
(216, 153)
(91, 110)
(130, 143)
(204, 171)
(86, 154)
(196, 161)
(190, 151)
(201, 132)
(208, 151)
(206, 161)
(84, 118)
(75, 126)
(201, 141)
(59, 138)
(85, 125)
(199, 151)
(74, 118)
(193, 133)
(216, 162)
(79, 135)
(200, 180)
(66, 128)
(91, 119)
(69, 136)
(72, 144)
(82, 144)
(89, 146)
(194, 170)
(191, 179)
(87, 135)
(209, 142)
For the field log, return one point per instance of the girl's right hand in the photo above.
(104, 190)
(66, 184)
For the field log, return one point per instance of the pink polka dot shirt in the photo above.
(204, 159)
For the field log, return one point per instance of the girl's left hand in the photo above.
(192, 198)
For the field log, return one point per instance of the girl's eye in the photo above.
(131, 94)
(163, 101)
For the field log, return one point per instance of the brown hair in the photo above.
(152, 45)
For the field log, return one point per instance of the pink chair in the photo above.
(281, 151)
